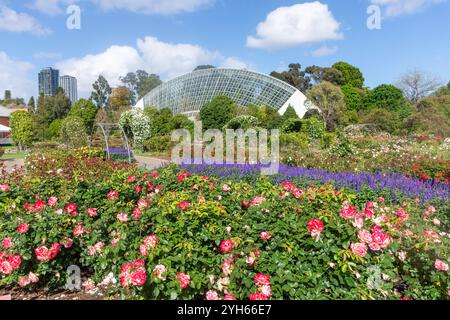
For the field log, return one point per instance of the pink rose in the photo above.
(359, 249)
(184, 279)
(441, 265)
(264, 235)
(52, 201)
(212, 295)
(23, 228)
(123, 217)
(92, 212)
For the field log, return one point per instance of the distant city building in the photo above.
(69, 85)
(48, 81)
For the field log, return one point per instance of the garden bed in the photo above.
(192, 234)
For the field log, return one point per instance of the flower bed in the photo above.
(173, 234)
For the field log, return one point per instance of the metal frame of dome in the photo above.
(187, 94)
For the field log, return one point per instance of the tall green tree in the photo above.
(217, 113)
(332, 75)
(87, 111)
(101, 92)
(21, 125)
(390, 98)
(295, 77)
(352, 75)
(140, 83)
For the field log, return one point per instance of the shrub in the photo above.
(385, 120)
(389, 98)
(136, 126)
(73, 132)
(21, 124)
(159, 144)
(242, 122)
(217, 113)
(87, 111)
(313, 128)
(54, 130)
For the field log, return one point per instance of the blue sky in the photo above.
(171, 37)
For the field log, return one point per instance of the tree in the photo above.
(140, 83)
(73, 133)
(87, 111)
(330, 100)
(31, 105)
(295, 77)
(54, 129)
(417, 84)
(353, 97)
(204, 67)
(120, 97)
(102, 91)
(51, 108)
(21, 124)
(217, 113)
(268, 117)
(388, 97)
(382, 118)
(289, 114)
(8, 95)
(319, 74)
(148, 84)
(352, 75)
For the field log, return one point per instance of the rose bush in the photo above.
(170, 234)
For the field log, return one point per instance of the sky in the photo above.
(172, 37)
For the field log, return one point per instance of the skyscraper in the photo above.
(69, 84)
(48, 81)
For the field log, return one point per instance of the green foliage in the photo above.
(217, 113)
(295, 77)
(351, 74)
(292, 125)
(319, 74)
(389, 98)
(353, 97)
(73, 132)
(384, 119)
(313, 128)
(21, 128)
(140, 83)
(158, 144)
(428, 121)
(289, 114)
(101, 92)
(331, 102)
(87, 111)
(53, 131)
(300, 265)
(268, 117)
(242, 122)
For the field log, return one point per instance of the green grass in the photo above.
(11, 156)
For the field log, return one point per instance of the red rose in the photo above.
(138, 277)
(288, 186)
(184, 205)
(185, 279)
(262, 279)
(71, 209)
(155, 173)
(227, 246)
(39, 205)
(23, 228)
(315, 227)
(258, 296)
(15, 262)
(131, 179)
(4, 188)
(113, 195)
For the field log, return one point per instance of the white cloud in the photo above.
(299, 24)
(15, 76)
(51, 7)
(394, 8)
(13, 21)
(324, 51)
(166, 59)
(234, 63)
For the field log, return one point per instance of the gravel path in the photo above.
(10, 164)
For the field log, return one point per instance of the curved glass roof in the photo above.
(189, 93)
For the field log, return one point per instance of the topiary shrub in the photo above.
(73, 133)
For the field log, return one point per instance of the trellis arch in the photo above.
(106, 130)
